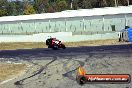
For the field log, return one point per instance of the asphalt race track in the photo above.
(66, 62)
(70, 51)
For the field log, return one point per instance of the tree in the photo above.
(80, 4)
(28, 10)
(51, 10)
(41, 5)
(3, 8)
(13, 8)
(86, 4)
(75, 4)
(62, 5)
(3, 12)
(130, 2)
(19, 7)
(103, 3)
(110, 3)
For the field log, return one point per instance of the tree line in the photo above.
(26, 7)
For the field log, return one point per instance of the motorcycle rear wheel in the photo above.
(63, 46)
(55, 47)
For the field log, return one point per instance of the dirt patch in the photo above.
(10, 70)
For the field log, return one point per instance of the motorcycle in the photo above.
(54, 43)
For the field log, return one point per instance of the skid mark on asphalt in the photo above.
(90, 56)
(70, 73)
(20, 82)
(67, 69)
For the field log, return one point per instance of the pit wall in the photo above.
(63, 36)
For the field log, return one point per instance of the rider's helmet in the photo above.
(49, 37)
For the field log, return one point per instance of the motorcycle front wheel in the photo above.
(63, 46)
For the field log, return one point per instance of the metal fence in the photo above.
(77, 25)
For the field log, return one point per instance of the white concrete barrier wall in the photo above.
(63, 36)
(76, 38)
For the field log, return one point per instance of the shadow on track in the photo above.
(70, 51)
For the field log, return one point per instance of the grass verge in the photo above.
(30, 45)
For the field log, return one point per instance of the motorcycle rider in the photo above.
(54, 43)
(49, 40)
